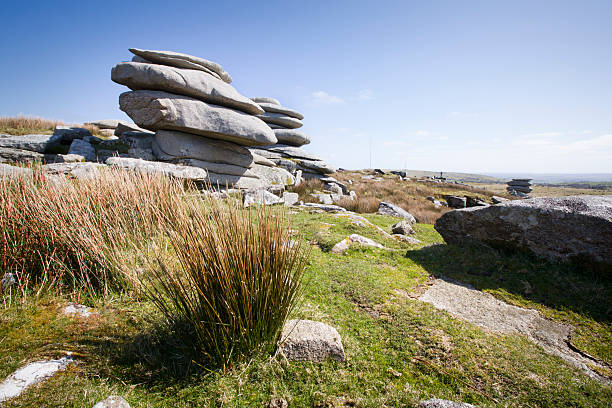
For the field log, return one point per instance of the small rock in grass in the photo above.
(261, 197)
(403, 227)
(74, 309)
(440, 403)
(31, 374)
(307, 340)
(113, 401)
(343, 245)
(278, 403)
(393, 210)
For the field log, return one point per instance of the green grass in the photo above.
(399, 349)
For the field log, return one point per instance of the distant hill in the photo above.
(557, 178)
(454, 176)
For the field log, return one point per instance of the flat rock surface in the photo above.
(157, 110)
(290, 151)
(281, 120)
(274, 108)
(31, 374)
(291, 137)
(169, 169)
(484, 310)
(34, 143)
(261, 99)
(386, 208)
(440, 403)
(558, 228)
(307, 340)
(189, 82)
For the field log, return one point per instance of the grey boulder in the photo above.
(8, 155)
(82, 148)
(291, 137)
(168, 169)
(157, 110)
(34, 143)
(403, 228)
(77, 170)
(220, 168)
(124, 127)
(317, 165)
(6, 170)
(180, 60)
(169, 145)
(290, 151)
(386, 208)
(266, 100)
(189, 82)
(260, 197)
(281, 120)
(275, 108)
(66, 134)
(557, 228)
(456, 202)
(105, 123)
(307, 340)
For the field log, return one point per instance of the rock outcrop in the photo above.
(558, 228)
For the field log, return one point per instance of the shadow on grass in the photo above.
(561, 286)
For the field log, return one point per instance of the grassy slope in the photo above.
(399, 349)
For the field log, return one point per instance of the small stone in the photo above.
(323, 198)
(307, 340)
(440, 403)
(73, 309)
(386, 208)
(403, 227)
(31, 374)
(278, 403)
(114, 401)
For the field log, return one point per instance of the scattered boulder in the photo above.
(260, 197)
(345, 244)
(386, 208)
(66, 134)
(323, 198)
(307, 340)
(456, 202)
(474, 202)
(559, 228)
(113, 401)
(290, 198)
(158, 110)
(403, 227)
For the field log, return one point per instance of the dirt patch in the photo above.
(484, 310)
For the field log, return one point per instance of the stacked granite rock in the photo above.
(519, 187)
(198, 118)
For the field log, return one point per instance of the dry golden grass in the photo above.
(23, 125)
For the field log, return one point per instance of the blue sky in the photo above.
(491, 86)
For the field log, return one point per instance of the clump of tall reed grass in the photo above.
(236, 281)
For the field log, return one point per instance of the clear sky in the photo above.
(477, 86)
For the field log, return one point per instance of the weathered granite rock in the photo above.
(385, 208)
(318, 166)
(66, 134)
(219, 168)
(257, 159)
(189, 82)
(268, 154)
(440, 403)
(173, 170)
(33, 373)
(520, 182)
(82, 148)
(274, 108)
(169, 145)
(519, 188)
(323, 198)
(280, 120)
(113, 401)
(455, 202)
(227, 180)
(34, 143)
(129, 127)
(561, 228)
(266, 100)
(157, 110)
(177, 59)
(307, 340)
(260, 197)
(271, 176)
(403, 227)
(291, 137)
(63, 158)
(324, 207)
(79, 171)
(405, 238)
(289, 151)
(106, 123)
(8, 155)
(343, 245)
(6, 170)
(290, 198)
(474, 202)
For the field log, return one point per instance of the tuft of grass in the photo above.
(307, 187)
(56, 233)
(236, 281)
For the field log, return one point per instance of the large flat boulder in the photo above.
(158, 110)
(178, 59)
(34, 143)
(291, 137)
(261, 99)
(220, 168)
(8, 155)
(189, 82)
(317, 165)
(290, 151)
(274, 108)
(186, 173)
(558, 228)
(169, 145)
(281, 120)
(386, 208)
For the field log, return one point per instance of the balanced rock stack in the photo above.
(287, 153)
(519, 187)
(198, 118)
